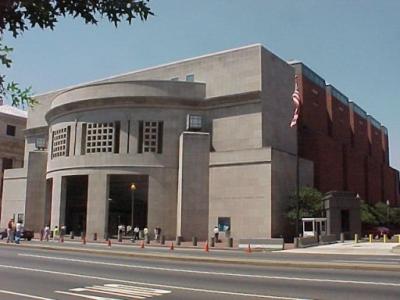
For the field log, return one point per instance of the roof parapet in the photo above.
(357, 109)
(310, 74)
(338, 94)
(374, 122)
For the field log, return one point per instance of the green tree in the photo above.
(17, 16)
(310, 204)
(368, 214)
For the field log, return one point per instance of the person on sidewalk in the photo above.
(216, 233)
(146, 233)
(10, 231)
(136, 233)
(46, 233)
(56, 232)
(18, 232)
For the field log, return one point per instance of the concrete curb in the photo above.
(396, 249)
(253, 262)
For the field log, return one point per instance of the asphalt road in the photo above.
(40, 274)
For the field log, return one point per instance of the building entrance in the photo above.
(76, 203)
(120, 202)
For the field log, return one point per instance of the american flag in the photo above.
(296, 99)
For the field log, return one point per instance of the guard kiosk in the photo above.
(314, 226)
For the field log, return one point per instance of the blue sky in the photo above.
(354, 45)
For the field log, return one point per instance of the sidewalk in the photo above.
(350, 248)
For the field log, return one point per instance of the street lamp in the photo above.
(387, 211)
(133, 188)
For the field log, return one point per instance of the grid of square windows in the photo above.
(150, 136)
(59, 143)
(99, 137)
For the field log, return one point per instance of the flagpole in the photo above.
(297, 159)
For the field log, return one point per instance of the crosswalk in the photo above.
(113, 292)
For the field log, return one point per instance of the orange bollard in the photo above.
(172, 246)
(248, 250)
(142, 244)
(206, 248)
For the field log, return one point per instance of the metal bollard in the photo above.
(356, 238)
(342, 237)
(370, 238)
(178, 240)
(95, 236)
(230, 242)
(147, 238)
(212, 243)
(385, 238)
(163, 240)
(194, 241)
(72, 236)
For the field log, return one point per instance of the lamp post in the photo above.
(133, 188)
(387, 211)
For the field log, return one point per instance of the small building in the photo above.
(12, 142)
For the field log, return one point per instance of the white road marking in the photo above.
(216, 273)
(133, 292)
(24, 295)
(173, 287)
(85, 296)
(372, 261)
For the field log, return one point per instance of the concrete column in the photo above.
(58, 201)
(78, 138)
(193, 181)
(97, 205)
(123, 137)
(35, 204)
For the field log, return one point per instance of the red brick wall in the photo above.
(385, 147)
(375, 139)
(358, 126)
(340, 117)
(313, 109)
(375, 177)
(348, 152)
(356, 172)
(390, 188)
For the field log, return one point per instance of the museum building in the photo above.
(193, 144)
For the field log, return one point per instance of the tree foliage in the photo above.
(310, 204)
(17, 16)
(379, 214)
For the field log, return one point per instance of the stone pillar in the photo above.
(193, 185)
(97, 205)
(35, 205)
(58, 201)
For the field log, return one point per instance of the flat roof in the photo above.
(13, 111)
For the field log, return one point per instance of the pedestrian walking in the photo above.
(216, 233)
(46, 233)
(63, 232)
(56, 232)
(18, 232)
(10, 231)
(136, 233)
(146, 233)
(156, 234)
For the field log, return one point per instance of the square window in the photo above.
(190, 77)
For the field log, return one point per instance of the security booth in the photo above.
(314, 226)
